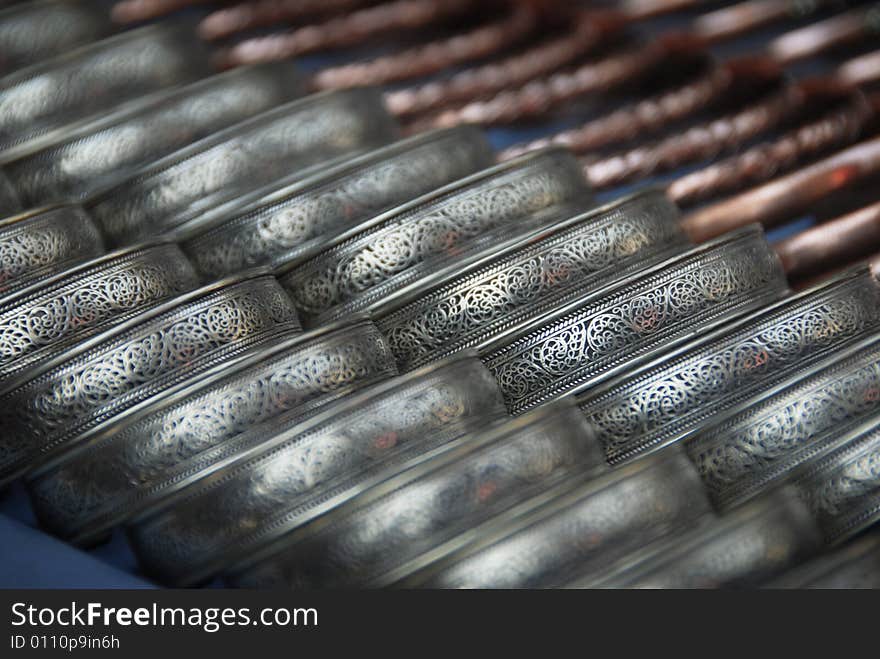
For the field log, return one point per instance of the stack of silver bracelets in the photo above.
(277, 343)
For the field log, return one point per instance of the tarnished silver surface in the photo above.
(369, 540)
(853, 565)
(78, 160)
(95, 78)
(533, 271)
(274, 144)
(842, 487)
(671, 397)
(389, 251)
(112, 371)
(577, 533)
(36, 30)
(113, 472)
(740, 550)
(610, 329)
(282, 474)
(46, 319)
(752, 448)
(44, 242)
(289, 221)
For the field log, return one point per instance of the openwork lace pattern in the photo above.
(133, 364)
(677, 396)
(286, 225)
(255, 499)
(45, 322)
(45, 244)
(293, 137)
(108, 477)
(368, 265)
(746, 453)
(529, 280)
(698, 290)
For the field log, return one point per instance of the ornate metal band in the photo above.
(591, 338)
(378, 532)
(579, 532)
(109, 476)
(33, 31)
(843, 487)
(383, 254)
(854, 565)
(751, 450)
(113, 371)
(674, 396)
(94, 78)
(47, 318)
(95, 154)
(531, 273)
(288, 222)
(293, 472)
(42, 243)
(292, 137)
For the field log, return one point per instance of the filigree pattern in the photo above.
(751, 450)
(103, 152)
(282, 227)
(843, 490)
(43, 244)
(251, 500)
(131, 365)
(60, 91)
(584, 531)
(677, 396)
(698, 290)
(348, 276)
(45, 322)
(444, 498)
(290, 138)
(112, 476)
(530, 280)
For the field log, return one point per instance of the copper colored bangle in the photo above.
(780, 199)
(833, 243)
(343, 31)
(736, 20)
(637, 119)
(697, 143)
(496, 76)
(540, 96)
(131, 11)
(259, 13)
(862, 70)
(836, 128)
(641, 9)
(812, 40)
(435, 56)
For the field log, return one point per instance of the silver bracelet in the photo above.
(286, 223)
(852, 565)
(184, 185)
(43, 242)
(108, 475)
(93, 154)
(608, 330)
(366, 263)
(134, 360)
(284, 473)
(670, 398)
(532, 272)
(370, 540)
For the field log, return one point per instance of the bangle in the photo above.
(853, 565)
(112, 371)
(286, 474)
(290, 138)
(288, 222)
(533, 272)
(116, 470)
(369, 540)
(611, 329)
